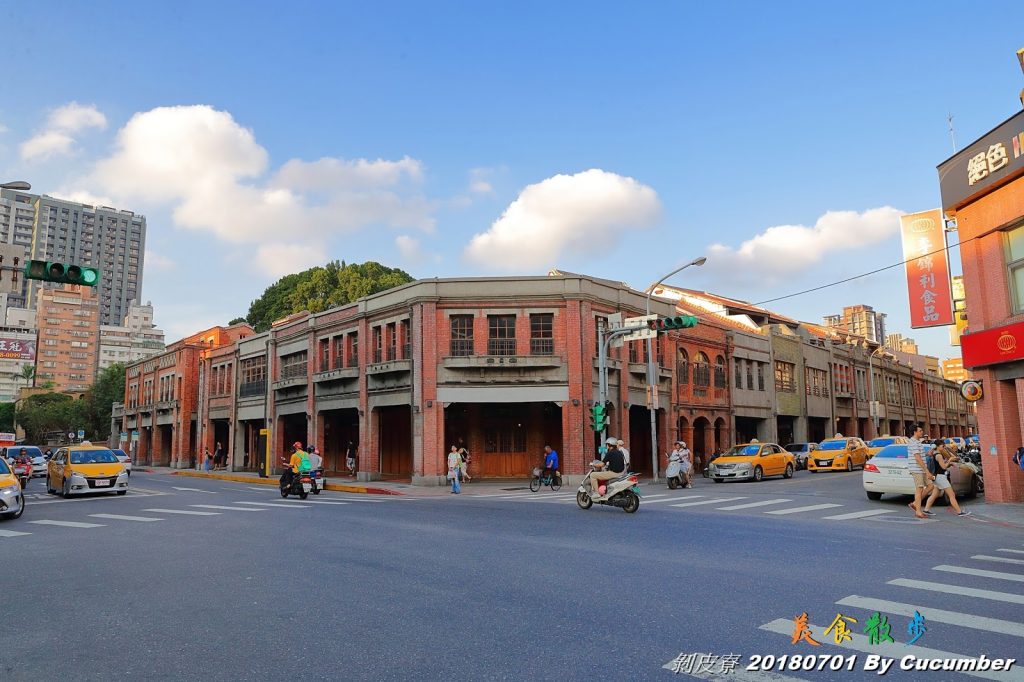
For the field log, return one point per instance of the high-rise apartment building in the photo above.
(136, 339)
(106, 238)
(898, 342)
(953, 370)
(860, 320)
(68, 337)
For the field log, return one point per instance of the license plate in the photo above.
(636, 489)
(306, 487)
(101, 483)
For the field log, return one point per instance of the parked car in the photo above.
(124, 459)
(838, 454)
(800, 452)
(887, 473)
(78, 469)
(753, 461)
(878, 443)
(12, 500)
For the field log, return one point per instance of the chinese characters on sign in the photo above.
(14, 349)
(989, 162)
(927, 266)
(877, 628)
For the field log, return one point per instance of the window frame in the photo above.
(460, 342)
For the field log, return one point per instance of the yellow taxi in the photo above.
(838, 454)
(12, 499)
(752, 461)
(878, 443)
(79, 469)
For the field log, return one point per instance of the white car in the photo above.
(36, 455)
(124, 459)
(886, 473)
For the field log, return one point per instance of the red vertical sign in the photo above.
(927, 264)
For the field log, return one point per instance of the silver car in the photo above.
(12, 500)
(886, 473)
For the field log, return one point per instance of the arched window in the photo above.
(682, 367)
(702, 371)
(719, 372)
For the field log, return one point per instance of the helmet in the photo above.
(612, 441)
(297, 444)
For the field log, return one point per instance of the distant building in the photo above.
(68, 321)
(136, 339)
(859, 320)
(953, 370)
(898, 342)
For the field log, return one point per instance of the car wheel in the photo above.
(874, 497)
(758, 474)
(122, 492)
(849, 463)
(789, 471)
(50, 490)
(973, 491)
(65, 490)
(719, 480)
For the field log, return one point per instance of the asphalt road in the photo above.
(511, 585)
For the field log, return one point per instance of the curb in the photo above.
(337, 487)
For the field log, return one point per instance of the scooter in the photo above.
(301, 485)
(23, 470)
(674, 473)
(619, 492)
(319, 482)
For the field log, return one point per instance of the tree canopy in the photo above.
(320, 288)
(44, 413)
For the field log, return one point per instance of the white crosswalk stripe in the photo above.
(67, 524)
(1001, 559)
(1014, 551)
(221, 506)
(1016, 577)
(896, 650)
(966, 620)
(327, 502)
(190, 512)
(711, 501)
(859, 515)
(944, 588)
(751, 505)
(798, 510)
(122, 517)
(275, 504)
(194, 490)
(11, 533)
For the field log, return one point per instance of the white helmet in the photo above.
(612, 441)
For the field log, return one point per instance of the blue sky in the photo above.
(456, 138)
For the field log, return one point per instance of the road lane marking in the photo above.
(992, 595)
(1015, 551)
(859, 515)
(712, 501)
(261, 488)
(646, 500)
(751, 505)
(67, 524)
(1001, 559)
(195, 490)
(220, 506)
(322, 502)
(182, 511)
(1016, 577)
(797, 510)
(11, 533)
(966, 620)
(275, 504)
(896, 650)
(121, 517)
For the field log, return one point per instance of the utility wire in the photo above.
(866, 274)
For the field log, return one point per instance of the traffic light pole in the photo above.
(604, 340)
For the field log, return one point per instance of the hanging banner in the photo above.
(17, 349)
(927, 266)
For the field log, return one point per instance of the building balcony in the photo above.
(338, 374)
(252, 389)
(289, 383)
(501, 361)
(387, 366)
(166, 405)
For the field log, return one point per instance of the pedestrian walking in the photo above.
(218, 457)
(464, 467)
(943, 458)
(454, 465)
(350, 459)
(918, 470)
(207, 459)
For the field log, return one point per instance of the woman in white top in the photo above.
(454, 468)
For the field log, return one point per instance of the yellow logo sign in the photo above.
(922, 225)
(1007, 342)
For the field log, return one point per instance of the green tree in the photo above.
(321, 288)
(28, 373)
(48, 412)
(99, 399)
(237, 320)
(7, 417)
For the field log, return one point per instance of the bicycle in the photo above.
(539, 480)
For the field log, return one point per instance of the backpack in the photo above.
(933, 469)
(305, 465)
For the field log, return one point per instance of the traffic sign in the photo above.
(615, 321)
(640, 333)
(81, 434)
(71, 435)
(638, 321)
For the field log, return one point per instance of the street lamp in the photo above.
(652, 376)
(872, 403)
(16, 185)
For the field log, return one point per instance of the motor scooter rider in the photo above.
(295, 463)
(611, 468)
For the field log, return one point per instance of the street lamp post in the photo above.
(652, 372)
(872, 403)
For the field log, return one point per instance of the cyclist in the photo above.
(550, 461)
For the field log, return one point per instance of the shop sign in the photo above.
(980, 167)
(993, 346)
(924, 250)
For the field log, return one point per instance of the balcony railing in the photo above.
(293, 371)
(252, 389)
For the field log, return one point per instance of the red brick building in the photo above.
(983, 189)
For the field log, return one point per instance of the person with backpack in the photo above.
(939, 464)
(298, 462)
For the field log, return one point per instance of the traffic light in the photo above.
(62, 273)
(597, 417)
(679, 322)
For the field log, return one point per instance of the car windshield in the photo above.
(898, 452)
(833, 445)
(93, 457)
(797, 447)
(881, 442)
(742, 451)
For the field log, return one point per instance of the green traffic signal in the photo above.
(678, 322)
(597, 417)
(61, 273)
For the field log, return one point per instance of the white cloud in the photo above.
(780, 251)
(215, 176)
(278, 260)
(585, 213)
(84, 197)
(156, 261)
(478, 181)
(58, 137)
(412, 251)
